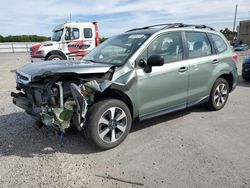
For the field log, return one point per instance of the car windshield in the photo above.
(117, 50)
(57, 35)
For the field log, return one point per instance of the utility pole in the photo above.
(235, 15)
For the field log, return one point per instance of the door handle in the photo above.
(183, 69)
(215, 61)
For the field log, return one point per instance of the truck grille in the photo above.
(31, 50)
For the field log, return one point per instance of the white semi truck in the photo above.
(69, 41)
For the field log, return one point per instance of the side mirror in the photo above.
(153, 60)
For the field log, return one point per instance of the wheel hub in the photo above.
(112, 124)
(220, 94)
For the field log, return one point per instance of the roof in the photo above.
(144, 31)
(73, 24)
(155, 28)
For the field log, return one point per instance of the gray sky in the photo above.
(115, 16)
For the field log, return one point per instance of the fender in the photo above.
(58, 52)
(221, 69)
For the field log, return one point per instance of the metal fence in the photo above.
(16, 47)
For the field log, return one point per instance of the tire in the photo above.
(55, 57)
(102, 129)
(218, 95)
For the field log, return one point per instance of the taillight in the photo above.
(235, 57)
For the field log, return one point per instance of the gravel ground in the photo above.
(190, 148)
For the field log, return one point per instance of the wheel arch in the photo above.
(117, 94)
(56, 52)
(229, 78)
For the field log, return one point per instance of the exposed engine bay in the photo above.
(61, 100)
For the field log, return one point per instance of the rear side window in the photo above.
(72, 34)
(87, 33)
(198, 44)
(167, 45)
(219, 43)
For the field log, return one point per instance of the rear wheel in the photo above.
(108, 123)
(55, 57)
(219, 95)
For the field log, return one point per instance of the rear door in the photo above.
(202, 61)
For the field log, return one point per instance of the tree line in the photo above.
(30, 38)
(23, 38)
(230, 35)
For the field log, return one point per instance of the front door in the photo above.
(165, 88)
(73, 42)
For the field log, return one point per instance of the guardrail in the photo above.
(15, 46)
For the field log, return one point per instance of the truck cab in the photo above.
(69, 41)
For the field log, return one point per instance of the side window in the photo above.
(219, 43)
(167, 45)
(198, 44)
(72, 34)
(87, 33)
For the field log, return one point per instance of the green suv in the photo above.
(142, 73)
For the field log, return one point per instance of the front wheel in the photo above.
(108, 123)
(219, 95)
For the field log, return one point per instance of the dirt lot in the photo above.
(190, 148)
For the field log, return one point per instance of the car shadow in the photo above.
(19, 137)
(139, 125)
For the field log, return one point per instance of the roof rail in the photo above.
(177, 25)
(147, 27)
(172, 25)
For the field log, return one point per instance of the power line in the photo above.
(235, 15)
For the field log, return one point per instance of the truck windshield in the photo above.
(57, 35)
(117, 50)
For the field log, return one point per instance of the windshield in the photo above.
(117, 50)
(57, 35)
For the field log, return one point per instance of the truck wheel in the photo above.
(108, 123)
(55, 57)
(219, 95)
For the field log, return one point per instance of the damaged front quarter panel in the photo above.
(122, 77)
(84, 93)
(61, 113)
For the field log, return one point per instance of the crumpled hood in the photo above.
(53, 67)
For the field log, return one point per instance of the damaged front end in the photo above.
(61, 117)
(61, 100)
